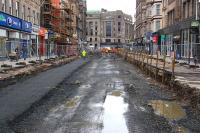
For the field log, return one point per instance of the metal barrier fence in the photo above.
(182, 52)
(27, 49)
(24, 48)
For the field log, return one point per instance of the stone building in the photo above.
(173, 25)
(83, 14)
(19, 26)
(181, 28)
(93, 27)
(148, 20)
(65, 22)
(108, 28)
(140, 20)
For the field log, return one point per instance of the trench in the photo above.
(183, 92)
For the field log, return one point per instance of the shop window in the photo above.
(158, 9)
(4, 5)
(157, 25)
(17, 8)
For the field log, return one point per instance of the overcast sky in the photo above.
(127, 6)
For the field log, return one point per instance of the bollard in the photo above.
(173, 65)
(157, 69)
(147, 62)
(163, 74)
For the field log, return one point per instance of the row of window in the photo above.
(109, 40)
(91, 33)
(12, 7)
(156, 11)
(94, 40)
(106, 40)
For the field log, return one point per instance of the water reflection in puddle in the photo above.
(119, 85)
(108, 72)
(169, 110)
(182, 130)
(116, 93)
(85, 86)
(114, 109)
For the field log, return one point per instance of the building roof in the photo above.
(93, 11)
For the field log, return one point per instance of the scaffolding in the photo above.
(57, 17)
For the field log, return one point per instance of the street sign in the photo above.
(162, 37)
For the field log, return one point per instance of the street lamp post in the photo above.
(197, 1)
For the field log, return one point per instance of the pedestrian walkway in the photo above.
(13, 63)
(180, 61)
(183, 73)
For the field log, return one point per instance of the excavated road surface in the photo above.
(107, 95)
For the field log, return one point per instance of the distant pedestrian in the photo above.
(195, 60)
(84, 54)
(24, 52)
(17, 53)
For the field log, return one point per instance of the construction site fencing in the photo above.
(185, 53)
(159, 68)
(29, 49)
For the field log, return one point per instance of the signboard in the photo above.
(195, 23)
(155, 39)
(163, 37)
(26, 26)
(42, 31)
(10, 21)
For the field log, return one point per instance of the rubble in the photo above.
(183, 88)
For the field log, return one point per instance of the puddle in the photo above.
(114, 120)
(170, 110)
(116, 93)
(109, 67)
(85, 86)
(120, 85)
(108, 72)
(125, 72)
(180, 129)
(72, 102)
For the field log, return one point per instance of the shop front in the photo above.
(35, 41)
(42, 37)
(16, 35)
(182, 38)
(3, 37)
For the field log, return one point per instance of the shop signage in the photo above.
(14, 23)
(9, 21)
(26, 26)
(162, 37)
(195, 23)
(155, 39)
(42, 31)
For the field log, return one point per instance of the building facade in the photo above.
(179, 33)
(169, 26)
(148, 20)
(83, 14)
(139, 20)
(108, 28)
(93, 26)
(19, 26)
(64, 23)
